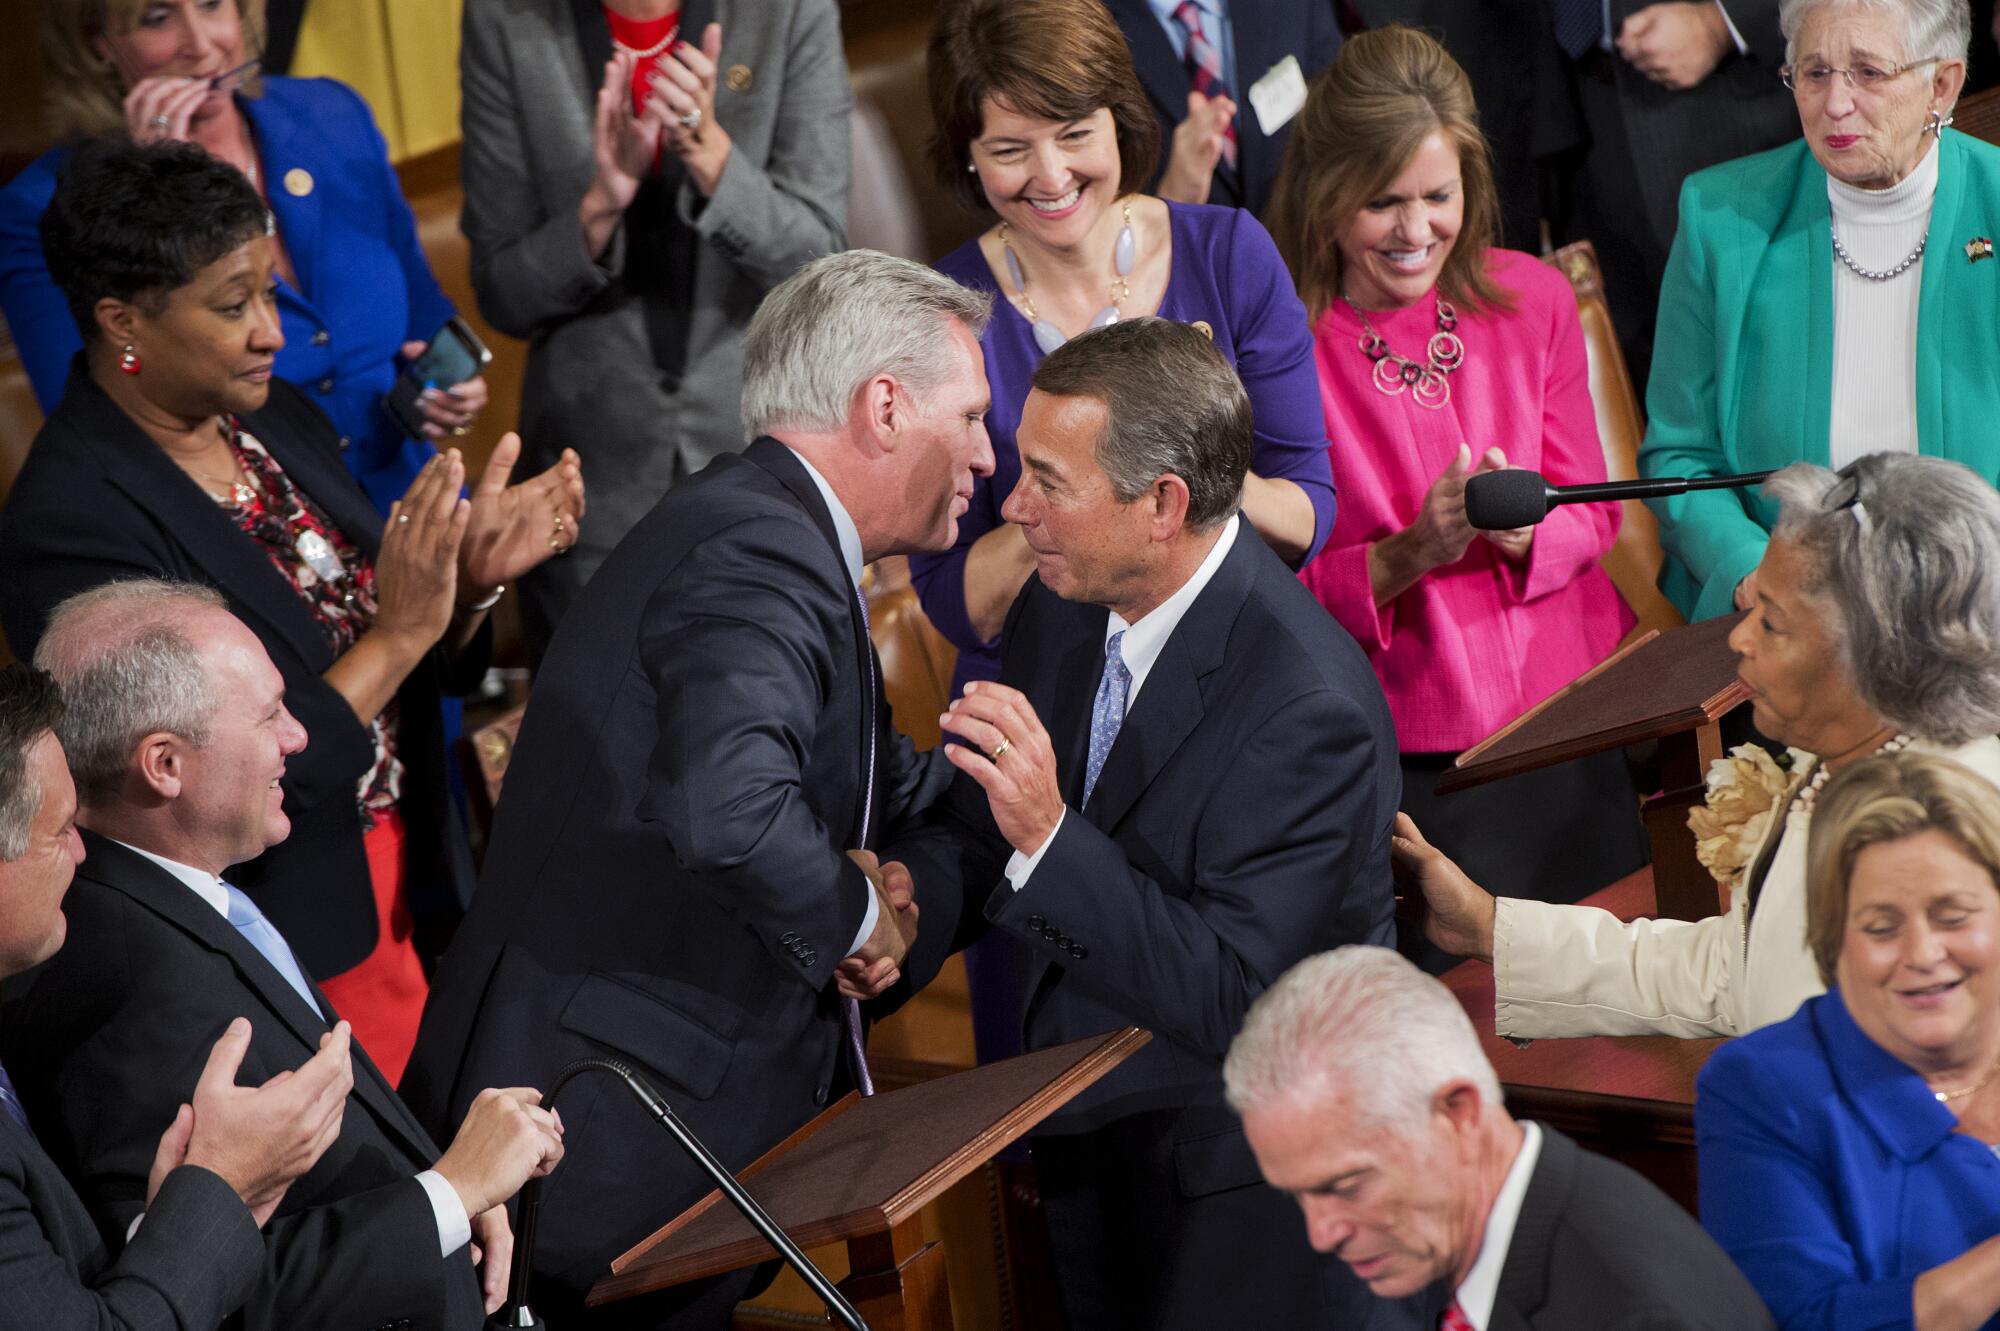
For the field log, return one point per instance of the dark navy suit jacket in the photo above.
(1265, 32)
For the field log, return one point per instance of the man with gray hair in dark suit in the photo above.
(1367, 1097)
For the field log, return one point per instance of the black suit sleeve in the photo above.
(745, 653)
(1756, 21)
(190, 1265)
(1282, 855)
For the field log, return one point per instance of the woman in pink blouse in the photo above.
(1441, 357)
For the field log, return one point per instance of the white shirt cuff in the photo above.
(868, 918)
(1020, 866)
(454, 1226)
(1741, 47)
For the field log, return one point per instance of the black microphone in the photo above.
(516, 1315)
(1516, 497)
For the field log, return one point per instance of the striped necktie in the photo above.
(1580, 25)
(1204, 65)
(1454, 1319)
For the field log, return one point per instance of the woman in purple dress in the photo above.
(1042, 121)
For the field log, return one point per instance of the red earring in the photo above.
(128, 360)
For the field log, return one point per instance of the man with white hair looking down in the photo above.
(1366, 1095)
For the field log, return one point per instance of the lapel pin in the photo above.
(738, 78)
(1979, 247)
(298, 182)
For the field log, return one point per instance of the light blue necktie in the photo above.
(11, 1103)
(1108, 712)
(262, 935)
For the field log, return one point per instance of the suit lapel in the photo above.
(112, 866)
(1170, 706)
(593, 40)
(299, 215)
(1945, 273)
(1524, 1277)
(782, 464)
(148, 477)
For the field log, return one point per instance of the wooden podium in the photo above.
(861, 1172)
(1672, 687)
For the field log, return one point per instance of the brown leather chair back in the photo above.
(483, 755)
(916, 660)
(1634, 560)
(1979, 116)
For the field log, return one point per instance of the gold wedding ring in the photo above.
(1002, 747)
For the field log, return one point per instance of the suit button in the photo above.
(324, 386)
(819, 1095)
(1079, 952)
(1036, 922)
(1064, 942)
(322, 338)
(789, 936)
(1050, 934)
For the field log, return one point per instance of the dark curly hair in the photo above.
(135, 222)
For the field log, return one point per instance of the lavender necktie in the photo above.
(11, 1103)
(850, 1010)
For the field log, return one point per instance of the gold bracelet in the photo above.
(486, 604)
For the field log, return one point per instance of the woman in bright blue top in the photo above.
(1041, 119)
(355, 293)
(1830, 298)
(1847, 1155)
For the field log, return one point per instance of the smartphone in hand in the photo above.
(453, 356)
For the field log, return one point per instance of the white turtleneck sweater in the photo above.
(1875, 323)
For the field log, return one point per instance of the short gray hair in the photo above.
(840, 321)
(127, 671)
(1932, 29)
(1173, 404)
(30, 707)
(1363, 1023)
(1904, 552)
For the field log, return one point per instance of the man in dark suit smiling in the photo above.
(1184, 782)
(684, 851)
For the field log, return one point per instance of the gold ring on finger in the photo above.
(460, 430)
(1002, 747)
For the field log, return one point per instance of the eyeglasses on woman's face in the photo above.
(1814, 78)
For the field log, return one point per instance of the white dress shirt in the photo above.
(454, 1228)
(1482, 1283)
(1144, 641)
(849, 537)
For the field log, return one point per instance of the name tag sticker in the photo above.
(1278, 96)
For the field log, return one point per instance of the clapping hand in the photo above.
(684, 88)
(1196, 148)
(258, 1139)
(512, 528)
(1677, 43)
(1517, 541)
(1460, 918)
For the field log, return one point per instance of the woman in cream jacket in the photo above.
(1877, 626)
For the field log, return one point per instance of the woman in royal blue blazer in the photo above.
(1829, 298)
(355, 291)
(1848, 1154)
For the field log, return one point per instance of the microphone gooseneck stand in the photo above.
(515, 1314)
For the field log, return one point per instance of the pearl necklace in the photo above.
(1124, 256)
(1869, 273)
(1803, 801)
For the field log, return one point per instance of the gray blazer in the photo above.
(636, 361)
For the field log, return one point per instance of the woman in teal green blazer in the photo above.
(1745, 348)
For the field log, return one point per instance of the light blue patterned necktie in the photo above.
(850, 1009)
(11, 1103)
(261, 934)
(1108, 712)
